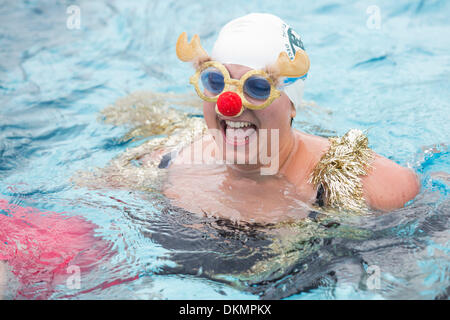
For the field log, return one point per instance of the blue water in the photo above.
(392, 80)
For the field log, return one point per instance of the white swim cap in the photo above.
(255, 41)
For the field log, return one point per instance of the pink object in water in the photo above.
(40, 246)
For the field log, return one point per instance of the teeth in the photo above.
(237, 124)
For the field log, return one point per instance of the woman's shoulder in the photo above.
(316, 145)
(339, 162)
(309, 151)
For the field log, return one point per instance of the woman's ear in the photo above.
(293, 111)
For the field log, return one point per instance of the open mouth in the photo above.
(237, 132)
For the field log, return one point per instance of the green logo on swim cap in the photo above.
(291, 48)
(294, 41)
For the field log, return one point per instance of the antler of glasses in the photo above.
(190, 51)
(193, 52)
(292, 68)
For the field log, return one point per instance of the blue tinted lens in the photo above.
(257, 88)
(212, 80)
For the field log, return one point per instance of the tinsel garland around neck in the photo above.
(340, 168)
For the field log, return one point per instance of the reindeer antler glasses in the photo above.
(217, 85)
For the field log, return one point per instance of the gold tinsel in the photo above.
(151, 113)
(339, 171)
(148, 114)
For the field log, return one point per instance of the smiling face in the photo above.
(237, 132)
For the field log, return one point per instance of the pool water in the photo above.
(387, 74)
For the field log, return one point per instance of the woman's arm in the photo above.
(388, 185)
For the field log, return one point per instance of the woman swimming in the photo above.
(251, 85)
(250, 164)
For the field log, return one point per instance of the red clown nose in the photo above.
(229, 104)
